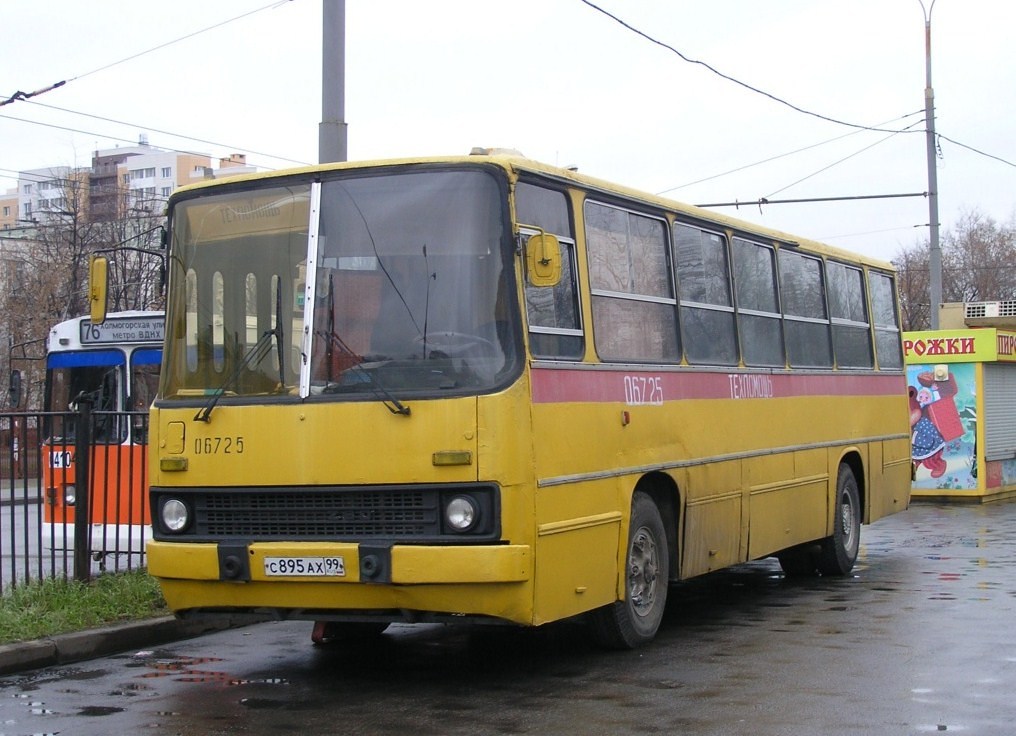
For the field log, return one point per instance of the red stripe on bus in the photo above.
(649, 387)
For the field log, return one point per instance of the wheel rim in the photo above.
(848, 520)
(643, 570)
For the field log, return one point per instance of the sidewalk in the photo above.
(102, 642)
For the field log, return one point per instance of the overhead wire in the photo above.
(781, 101)
(773, 97)
(975, 150)
(123, 140)
(837, 163)
(729, 78)
(782, 155)
(150, 129)
(22, 96)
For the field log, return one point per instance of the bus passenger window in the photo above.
(805, 319)
(758, 308)
(883, 316)
(707, 312)
(851, 335)
(634, 309)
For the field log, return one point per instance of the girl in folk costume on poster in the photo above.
(934, 420)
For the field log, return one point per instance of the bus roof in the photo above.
(515, 163)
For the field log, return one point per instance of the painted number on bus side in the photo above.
(642, 390)
(62, 459)
(218, 445)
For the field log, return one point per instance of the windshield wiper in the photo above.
(390, 402)
(252, 357)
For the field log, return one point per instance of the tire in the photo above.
(800, 561)
(839, 551)
(634, 621)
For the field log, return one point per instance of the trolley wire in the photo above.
(21, 96)
(729, 78)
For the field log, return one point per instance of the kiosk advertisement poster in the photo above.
(943, 425)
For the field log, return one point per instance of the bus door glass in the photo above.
(144, 383)
(94, 375)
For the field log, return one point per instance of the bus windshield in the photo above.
(408, 273)
(92, 375)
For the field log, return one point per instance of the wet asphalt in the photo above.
(918, 640)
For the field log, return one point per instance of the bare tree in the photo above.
(136, 261)
(914, 285)
(978, 264)
(979, 260)
(45, 276)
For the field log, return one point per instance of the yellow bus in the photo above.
(483, 389)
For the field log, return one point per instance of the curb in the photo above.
(101, 642)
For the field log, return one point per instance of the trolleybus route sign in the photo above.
(123, 330)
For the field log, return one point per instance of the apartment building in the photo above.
(9, 210)
(121, 182)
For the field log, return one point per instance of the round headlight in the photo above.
(462, 513)
(175, 515)
(70, 495)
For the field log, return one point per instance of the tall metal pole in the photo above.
(332, 130)
(935, 250)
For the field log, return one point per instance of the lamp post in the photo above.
(934, 249)
(332, 130)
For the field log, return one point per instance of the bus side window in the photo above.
(553, 314)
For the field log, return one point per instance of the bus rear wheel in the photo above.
(634, 621)
(839, 551)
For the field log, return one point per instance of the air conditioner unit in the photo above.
(990, 314)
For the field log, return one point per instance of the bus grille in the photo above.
(333, 515)
(406, 514)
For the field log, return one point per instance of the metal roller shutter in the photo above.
(999, 411)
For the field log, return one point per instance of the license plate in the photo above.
(328, 567)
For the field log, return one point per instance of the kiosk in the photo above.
(962, 387)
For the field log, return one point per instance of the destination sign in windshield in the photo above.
(123, 330)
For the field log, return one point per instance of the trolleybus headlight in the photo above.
(462, 513)
(175, 515)
(70, 495)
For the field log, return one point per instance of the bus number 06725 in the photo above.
(218, 445)
(640, 390)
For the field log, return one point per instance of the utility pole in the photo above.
(332, 130)
(935, 250)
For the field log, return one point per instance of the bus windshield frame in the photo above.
(351, 286)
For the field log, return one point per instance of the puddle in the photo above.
(99, 710)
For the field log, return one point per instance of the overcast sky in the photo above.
(561, 82)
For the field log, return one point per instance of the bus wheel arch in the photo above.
(840, 549)
(664, 492)
(648, 554)
(853, 460)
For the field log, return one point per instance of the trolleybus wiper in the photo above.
(391, 403)
(252, 357)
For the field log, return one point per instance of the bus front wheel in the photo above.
(839, 551)
(633, 622)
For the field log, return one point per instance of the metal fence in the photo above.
(73, 494)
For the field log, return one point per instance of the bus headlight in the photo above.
(70, 495)
(462, 513)
(174, 514)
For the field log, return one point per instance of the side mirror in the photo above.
(543, 260)
(14, 390)
(98, 268)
